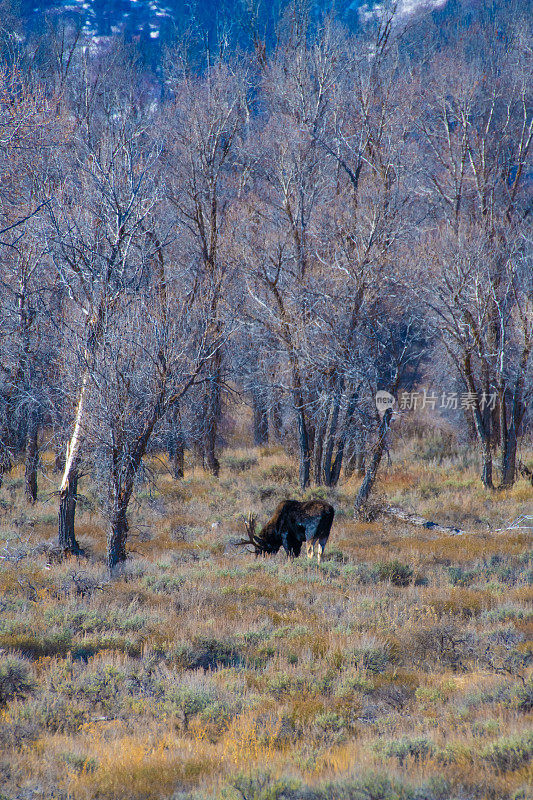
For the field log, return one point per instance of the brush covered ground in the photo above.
(400, 669)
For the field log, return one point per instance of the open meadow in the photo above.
(399, 669)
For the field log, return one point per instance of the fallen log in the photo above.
(422, 522)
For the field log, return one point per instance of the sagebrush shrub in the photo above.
(239, 464)
(394, 571)
(417, 748)
(15, 679)
(278, 473)
(509, 753)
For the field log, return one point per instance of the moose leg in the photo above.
(286, 544)
(320, 549)
(310, 548)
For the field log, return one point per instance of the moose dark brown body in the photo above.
(292, 524)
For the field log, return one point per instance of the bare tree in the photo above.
(30, 124)
(204, 130)
(106, 194)
(476, 121)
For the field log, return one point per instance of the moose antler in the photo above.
(249, 524)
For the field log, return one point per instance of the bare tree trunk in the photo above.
(69, 483)
(360, 461)
(6, 465)
(471, 427)
(212, 419)
(331, 434)
(318, 452)
(372, 468)
(482, 422)
(116, 540)
(356, 462)
(305, 455)
(32, 458)
(350, 463)
(345, 431)
(178, 460)
(509, 432)
(199, 454)
(211, 460)
(509, 459)
(276, 420)
(509, 443)
(176, 446)
(260, 418)
(486, 464)
(67, 510)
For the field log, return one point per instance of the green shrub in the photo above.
(510, 752)
(163, 584)
(185, 702)
(102, 686)
(208, 653)
(460, 577)
(35, 645)
(436, 446)
(262, 786)
(239, 464)
(278, 473)
(80, 763)
(418, 748)
(373, 657)
(15, 679)
(522, 697)
(330, 722)
(489, 727)
(394, 571)
(281, 685)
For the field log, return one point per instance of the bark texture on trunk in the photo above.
(116, 540)
(176, 447)
(178, 460)
(213, 414)
(482, 423)
(6, 464)
(373, 466)
(260, 418)
(343, 439)
(318, 452)
(510, 427)
(305, 454)
(67, 510)
(31, 460)
(276, 420)
(331, 436)
(509, 459)
(69, 482)
(486, 464)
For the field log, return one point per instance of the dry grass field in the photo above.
(400, 669)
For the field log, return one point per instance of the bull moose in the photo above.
(292, 524)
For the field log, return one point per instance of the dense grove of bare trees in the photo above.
(304, 225)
